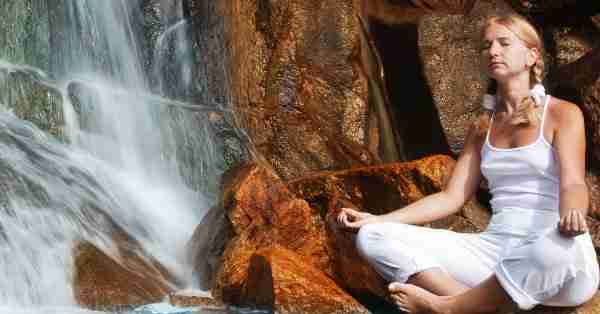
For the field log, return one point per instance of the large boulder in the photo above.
(281, 280)
(256, 210)
(103, 282)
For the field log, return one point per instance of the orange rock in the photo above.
(381, 189)
(251, 194)
(232, 273)
(103, 283)
(263, 212)
(281, 280)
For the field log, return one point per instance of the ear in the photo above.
(533, 55)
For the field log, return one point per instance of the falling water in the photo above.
(115, 155)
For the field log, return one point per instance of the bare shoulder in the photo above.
(564, 113)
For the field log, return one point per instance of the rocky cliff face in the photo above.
(294, 79)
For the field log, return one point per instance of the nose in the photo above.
(494, 49)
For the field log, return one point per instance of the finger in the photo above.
(584, 224)
(354, 224)
(346, 222)
(561, 223)
(352, 212)
(575, 218)
(340, 217)
(568, 222)
(581, 223)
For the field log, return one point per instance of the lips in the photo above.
(495, 63)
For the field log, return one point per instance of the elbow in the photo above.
(454, 201)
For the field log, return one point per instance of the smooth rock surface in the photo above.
(102, 283)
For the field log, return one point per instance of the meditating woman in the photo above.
(536, 249)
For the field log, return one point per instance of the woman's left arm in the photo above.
(569, 141)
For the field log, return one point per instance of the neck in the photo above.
(512, 92)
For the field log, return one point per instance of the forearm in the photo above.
(574, 197)
(427, 209)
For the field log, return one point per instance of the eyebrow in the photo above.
(499, 38)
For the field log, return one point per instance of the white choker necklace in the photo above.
(538, 92)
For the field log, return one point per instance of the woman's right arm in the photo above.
(463, 183)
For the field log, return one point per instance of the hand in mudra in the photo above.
(352, 219)
(572, 224)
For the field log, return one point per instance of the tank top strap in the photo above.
(546, 105)
(487, 134)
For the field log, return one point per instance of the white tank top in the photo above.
(525, 177)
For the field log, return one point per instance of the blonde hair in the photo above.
(526, 32)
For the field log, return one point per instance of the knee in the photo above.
(552, 251)
(372, 238)
(367, 237)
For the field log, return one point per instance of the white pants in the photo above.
(531, 260)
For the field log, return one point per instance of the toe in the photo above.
(394, 286)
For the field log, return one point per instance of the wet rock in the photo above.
(195, 299)
(100, 282)
(449, 50)
(293, 75)
(23, 92)
(208, 243)
(281, 280)
(24, 38)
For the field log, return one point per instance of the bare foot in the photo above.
(412, 299)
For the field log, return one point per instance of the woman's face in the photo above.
(504, 55)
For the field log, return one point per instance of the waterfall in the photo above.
(113, 152)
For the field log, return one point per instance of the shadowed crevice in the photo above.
(411, 99)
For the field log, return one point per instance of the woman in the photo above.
(536, 249)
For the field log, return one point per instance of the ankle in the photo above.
(443, 305)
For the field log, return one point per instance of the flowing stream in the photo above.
(91, 140)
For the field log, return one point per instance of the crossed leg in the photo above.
(488, 297)
(437, 282)
(547, 269)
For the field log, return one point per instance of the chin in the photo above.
(498, 75)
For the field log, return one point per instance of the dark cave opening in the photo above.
(411, 102)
